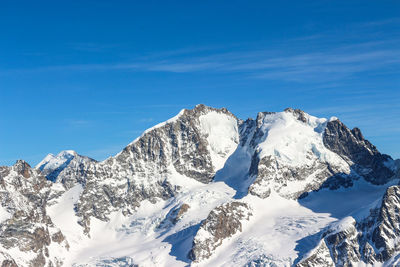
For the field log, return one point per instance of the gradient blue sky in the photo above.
(92, 75)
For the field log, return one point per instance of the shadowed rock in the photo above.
(371, 240)
(359, 152)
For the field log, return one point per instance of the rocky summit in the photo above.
(206, 188)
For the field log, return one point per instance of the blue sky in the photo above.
(92, 75)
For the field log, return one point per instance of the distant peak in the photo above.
(21, 162)
(49, 156)
(67, 153)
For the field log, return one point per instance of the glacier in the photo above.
(206, 188)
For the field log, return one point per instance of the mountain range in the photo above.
(206, 188)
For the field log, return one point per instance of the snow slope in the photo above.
(146, 205)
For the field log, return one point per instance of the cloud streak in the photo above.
(336, 63)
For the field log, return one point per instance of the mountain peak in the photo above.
(298, 114)
(58, 159)
(21, 162)
(199, 179)
(67, 153)
(201, 109)
(187, 114)
(22, 168)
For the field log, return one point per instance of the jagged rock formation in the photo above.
(174, 216)
(182, 145)
(67, 168)
(275, 164)
(320, 257)
(176, 189)
(222, 222)
(25, 225)
(372, 240)
(360, 153)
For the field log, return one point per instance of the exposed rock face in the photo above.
(222, 222)
(351, 146)
(23, 193)
(174, 216)
(353, 156)
(183, 145)
(68, 168)
(371, 240)
(7, 261)
(287, 153)
(298, 114)
(22, 168)
(276, 168)
(320, 257)
(182, 210)
(143, 169)
(182, 142)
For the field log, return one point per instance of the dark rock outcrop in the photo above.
(24, 193)
(174, 216)
(150, 168)
(298, 114)
(269, 173)
(359, 152)
(141, 170)
(372, 240)
(222, 222)
(22, 168)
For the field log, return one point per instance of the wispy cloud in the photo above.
(327, 65)
(394, 20)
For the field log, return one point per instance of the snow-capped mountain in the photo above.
(208, 189)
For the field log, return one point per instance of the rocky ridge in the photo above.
(223, 222)
(25, 225)
(289, 153)
(372, 239)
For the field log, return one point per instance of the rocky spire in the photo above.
(22, 168)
